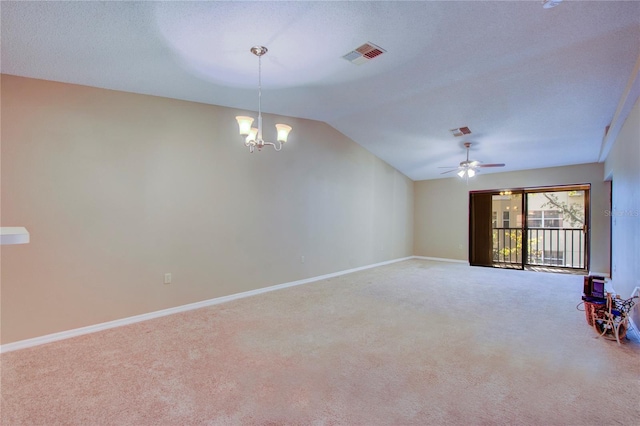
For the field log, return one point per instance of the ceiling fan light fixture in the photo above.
(466, 173)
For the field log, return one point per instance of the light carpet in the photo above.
(412, 343)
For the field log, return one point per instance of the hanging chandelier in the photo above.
(253, 135)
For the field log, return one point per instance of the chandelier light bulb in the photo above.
(252, 136)
(283, 132)
(244, 123)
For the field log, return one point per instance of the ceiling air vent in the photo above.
(364, 53)
(461, 131)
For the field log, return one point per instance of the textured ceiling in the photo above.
(536, 86)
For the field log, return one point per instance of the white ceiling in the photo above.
(537, 87)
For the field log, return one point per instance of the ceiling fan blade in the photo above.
(450, 167)
(449, 171)
(491, 165)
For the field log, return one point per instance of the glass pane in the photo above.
(534, 223)
(507, 230)
(555, 221)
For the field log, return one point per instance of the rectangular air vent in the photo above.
(461, 131)
(364, 53)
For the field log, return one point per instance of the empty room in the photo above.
(320, 213)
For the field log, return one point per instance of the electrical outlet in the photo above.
(167, 278)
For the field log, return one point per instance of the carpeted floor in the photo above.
(412, 343)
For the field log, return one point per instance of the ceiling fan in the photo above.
(468, 168)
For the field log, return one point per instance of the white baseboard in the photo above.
(440, 259)
(49, 338)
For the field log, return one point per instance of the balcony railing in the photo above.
(562, 247)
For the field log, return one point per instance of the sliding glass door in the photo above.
(530, 228)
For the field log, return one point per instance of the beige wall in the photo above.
(442, 208)
(622, 167)
(117, 188)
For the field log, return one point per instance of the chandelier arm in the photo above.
(277, 146)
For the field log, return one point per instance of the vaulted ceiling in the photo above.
(537, 87)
